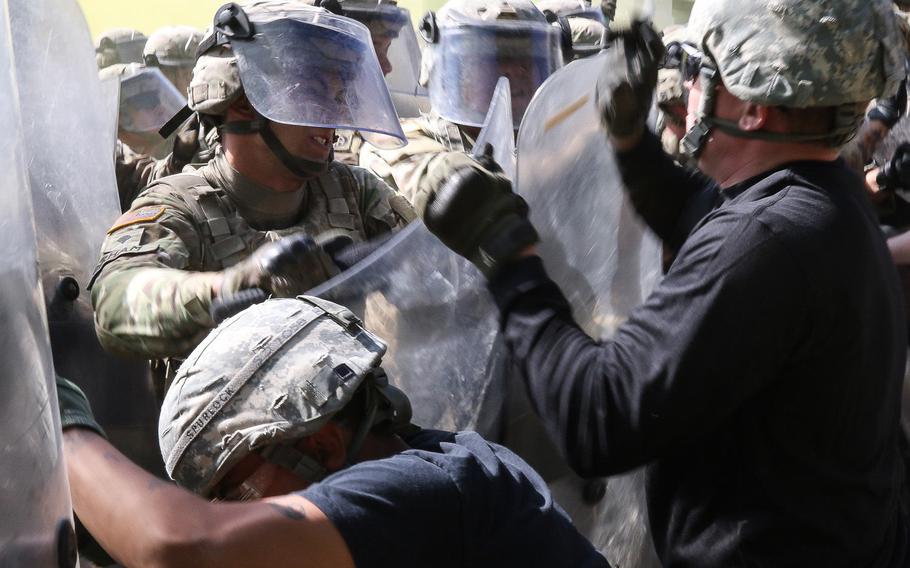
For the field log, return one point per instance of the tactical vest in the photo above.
(330, 203)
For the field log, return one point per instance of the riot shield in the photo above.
(35, 510)
(433, 309)
(403, 80)
(599, 253)
(69, 154)
(110, 100)
(498, 130)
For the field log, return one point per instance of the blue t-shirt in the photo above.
(451, 500)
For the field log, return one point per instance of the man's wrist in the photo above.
(626, 143)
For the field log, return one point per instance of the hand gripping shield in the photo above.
(69, 152)
(308, 67)
(35, 523)
(600, 255)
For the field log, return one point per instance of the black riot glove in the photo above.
(476, 214)
(75, 410)
(627, 81)
(896, 173)
(888, 111)
(284, 268)
(186, 144)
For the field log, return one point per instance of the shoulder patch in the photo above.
(141, 215)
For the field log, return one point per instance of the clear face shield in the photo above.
(147, 101)
(308, 67)
(469, 59)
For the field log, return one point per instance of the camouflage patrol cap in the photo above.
(670, 88)
(216, 77)
(276, 372)
(119, 45)
(800, 53)
(172, 46)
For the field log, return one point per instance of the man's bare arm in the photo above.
(144, 521)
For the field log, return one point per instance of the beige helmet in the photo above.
(119, 45)
(172, 46)
(267, 377)
(794, 53)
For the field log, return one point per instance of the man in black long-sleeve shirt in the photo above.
(761, 380)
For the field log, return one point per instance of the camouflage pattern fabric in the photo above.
(152, 287)
(136, 171)
(434, 146)
(762, 49)
(276, 372)
(119, 45)
(588, 36)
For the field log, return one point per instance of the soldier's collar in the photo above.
(260, 206)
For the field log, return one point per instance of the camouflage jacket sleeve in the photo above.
(381, 207)
(147, 302)
(137, 171)
(413, 176)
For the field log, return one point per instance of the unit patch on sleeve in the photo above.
(141, 215)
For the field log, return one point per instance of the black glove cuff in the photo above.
(884, 113)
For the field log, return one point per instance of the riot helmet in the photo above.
(119, 45)
(147, 101)
(173, 50)
(806, 54)
(472, 43)
(267, 377)
(297, 65)
(395, 42)
(573, 9)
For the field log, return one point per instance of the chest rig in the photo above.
(330, 203)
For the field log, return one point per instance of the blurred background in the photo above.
(150, 15)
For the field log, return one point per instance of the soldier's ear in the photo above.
(241, 109)
(753, 117)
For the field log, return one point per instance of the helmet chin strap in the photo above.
(693, 143)
(300, 167)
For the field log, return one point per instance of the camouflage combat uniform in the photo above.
(433, 144)
(152, 287)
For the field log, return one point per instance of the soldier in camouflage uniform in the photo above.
(586, 26)
(141, 156)
(119, 45)
(285, 412)
(471, 43)
(190, 239)
(173, 50)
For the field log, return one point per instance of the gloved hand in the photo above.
(75, 410)
(626, 83)
(476, 214)
(896, 173)
(889, 111)
(186, 143)
(284, 268)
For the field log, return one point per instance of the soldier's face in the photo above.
(306, 142)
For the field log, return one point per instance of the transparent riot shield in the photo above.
(603, 259)
(35, 511)
(433, 309)
(70, 168)
(408, 96)
(498, 129)
(110, 100)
